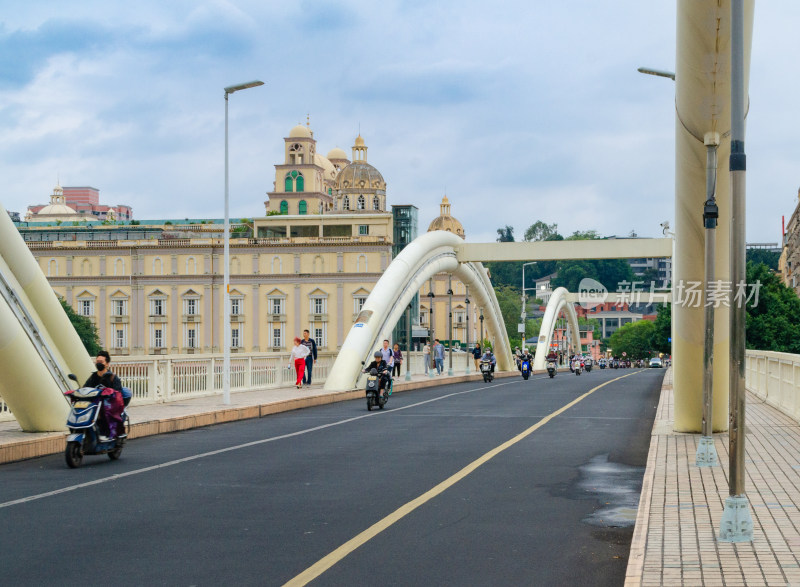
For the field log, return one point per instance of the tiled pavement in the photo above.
(674, 542)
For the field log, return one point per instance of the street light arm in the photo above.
(657, 72)
(244, 86)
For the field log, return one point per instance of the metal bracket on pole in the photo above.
(706, 455)
(736, 524)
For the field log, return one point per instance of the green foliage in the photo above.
(85, 329)
(773, 324)
(134, 223)
(609, 272)
(506, 234)
(768, 258)
(635, 339)
(274, 213)
(168, 222)
(540, 231)
(663, 331)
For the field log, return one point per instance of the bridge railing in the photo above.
(165, 378)
(775, 378)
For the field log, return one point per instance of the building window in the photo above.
(320, 335)
(330, 191)
(346, 203)
(376, 203)
(299, 182)
(157, 337)
(277, 337)
(358, 303)
(318, 305)
(190, 337)
(363, 229)
(156, 307)
(284, 207)
(86, 307)
(120, 307)
(236, 306)
(302, 207)
(235, 340)
(288, 183)
(190, 306)
(362, 203)
(120, 340)
(276, 305)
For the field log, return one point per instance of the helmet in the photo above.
(377, 354)
(488, 349)
(525, 349)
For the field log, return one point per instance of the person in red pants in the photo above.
(298, 358)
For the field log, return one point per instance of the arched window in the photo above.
(359, 266)
(362, 204)
(86, 267)
(236, 266)
(376, 203)
(302, 207)
(158, 266)
(52, 267)
(119, 266)
(191, 266)
(279, 266)
(284, 207)
(319, 264)
(288, 183)
(346, 203)
(330, 191)
(300, 183)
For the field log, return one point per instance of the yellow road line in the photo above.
(345, 549)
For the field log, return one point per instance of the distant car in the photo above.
(656, 362)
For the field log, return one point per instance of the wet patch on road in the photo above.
(617, 487)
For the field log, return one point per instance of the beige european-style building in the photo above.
(156, 287)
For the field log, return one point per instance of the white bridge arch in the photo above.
(433, 252)
(557, 302)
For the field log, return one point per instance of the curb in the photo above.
(55, 442)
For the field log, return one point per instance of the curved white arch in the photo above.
(427, 255)
(555, 304)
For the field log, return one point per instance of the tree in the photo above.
(609, 272)
(506, 234)
(635, 339)
(768, 258)
(773, 321)
(663, 332)
(84, 327)
(539, 231)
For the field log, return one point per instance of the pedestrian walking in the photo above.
(426, 356)
(398, 359)
(298, 358)
(438, 355)
(476, 356)
(311, 344)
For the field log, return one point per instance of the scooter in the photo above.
(85, 437)
(374, 398)
(525, 368)
(602, 363)
(576, 367)
(486, 370)
(587, 365)
(551, 369)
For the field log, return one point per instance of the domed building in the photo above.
(56, 210)
(359, 186)
(446, 222)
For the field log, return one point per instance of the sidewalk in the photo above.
(674, 542)
(161, 418)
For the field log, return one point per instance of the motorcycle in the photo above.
(551, 369)
(486, 371)
(602, 363)
(588, 365)
(84, 426)
(374, 398)
(576, 367)
(525, 367)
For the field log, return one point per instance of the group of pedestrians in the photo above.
(438, 356)
(303, 357)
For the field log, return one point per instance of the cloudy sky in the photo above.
(518, 110)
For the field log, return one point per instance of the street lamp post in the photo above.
(226, 305)
(408, 343)
(432, 359)
(524, 300)
(450, 320)
(481, 327)
(466, 301)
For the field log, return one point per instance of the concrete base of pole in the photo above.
(706, 453)
(431, 371)
(736, 524)
(450, 371)
(408, 375)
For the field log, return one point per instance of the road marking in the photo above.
(345, 549)
(212, 453)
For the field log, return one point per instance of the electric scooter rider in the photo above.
(382, 367)
(489, 357)
(114, 405)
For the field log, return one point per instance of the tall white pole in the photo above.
(226, 314)
(226, 304)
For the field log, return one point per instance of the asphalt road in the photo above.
(468, 484)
